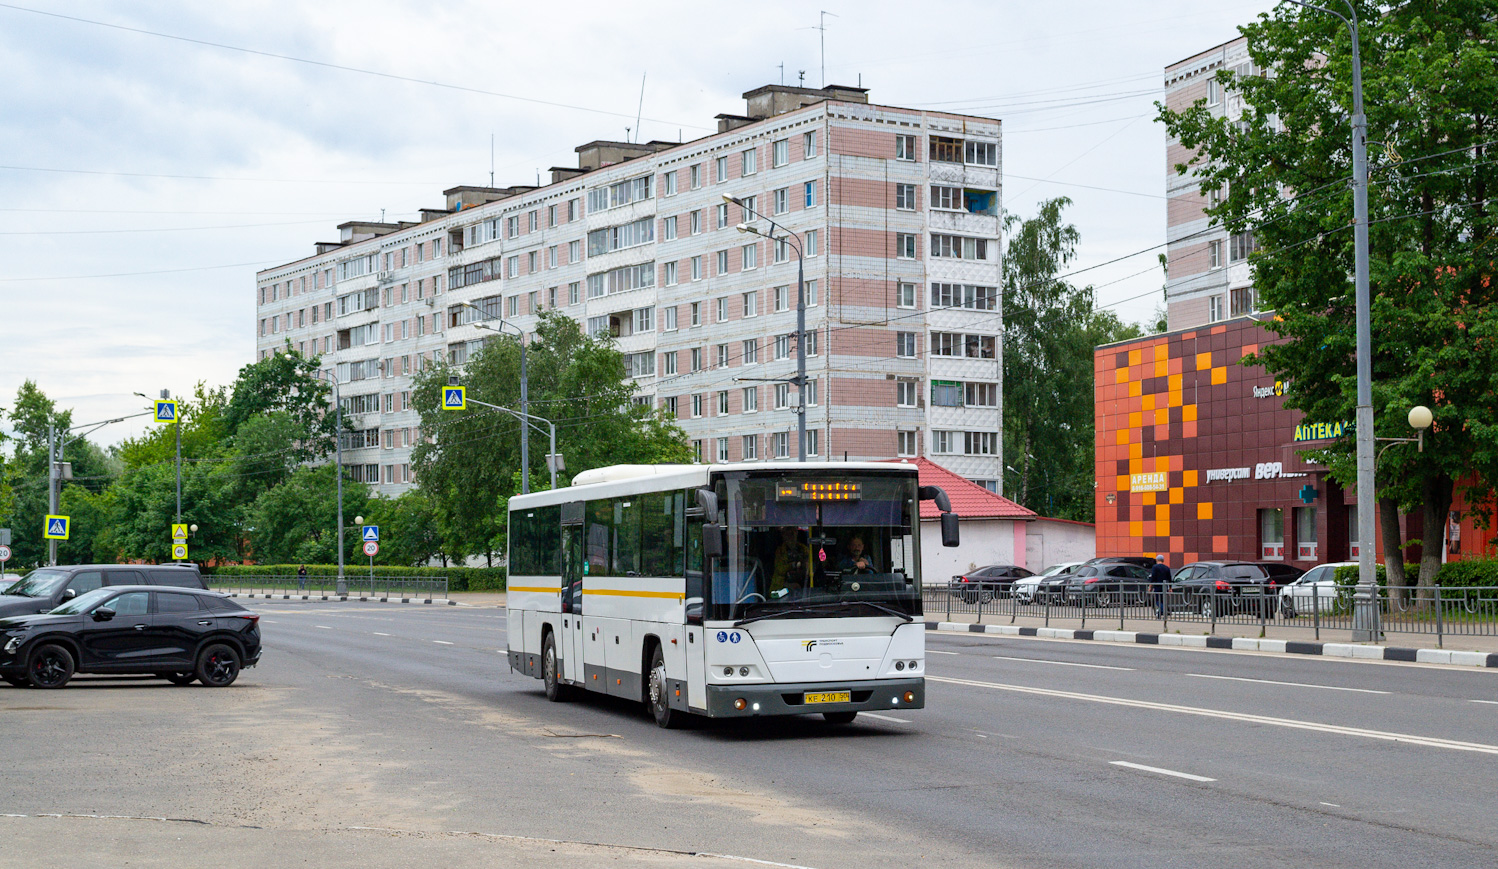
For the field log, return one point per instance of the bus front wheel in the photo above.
(556, 692)
(659, 698)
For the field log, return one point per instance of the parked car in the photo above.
(1024, 589)
(1218, 588)
(177, 634)
(1108, 583)
(46, 588)
(1316, 589)
(987, 583)
(1281, 572)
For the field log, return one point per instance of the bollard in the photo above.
(1315, 607)
(1440, 616)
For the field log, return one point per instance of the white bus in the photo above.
(725, 590)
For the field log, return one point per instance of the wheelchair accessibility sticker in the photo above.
(726, 637)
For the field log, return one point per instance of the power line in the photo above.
(159, 229)
(137, 274)
(209, 177)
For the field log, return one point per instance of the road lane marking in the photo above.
(1155, 769)
(324, 627)
(1061, 663)
(1333, 805)
(442, 642)
(1490, 702)
(1412, 739)
(940, 652)
(381, 634)
(1290, 684)
(886, 718)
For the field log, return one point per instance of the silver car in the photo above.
(1315, 590)
(1024, 589)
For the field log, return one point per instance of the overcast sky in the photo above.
(153, 156)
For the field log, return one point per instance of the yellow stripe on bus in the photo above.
(622, 593)
(539, 588)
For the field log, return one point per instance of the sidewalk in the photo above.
(1226, 631)
(478, 598)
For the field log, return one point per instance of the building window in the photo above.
(722, 449)
(782, 347)
(904, 245)
(980, 443)
(697, 412)
(812, 442)
(941, 441)
(905, 393)
(751, 447)
(1272, 534)
(722, 262)
(1242, 300)
(722, 355)
(782, 298)
(748, 163)
(751, 303)
(696, 313)
(809, 192)
(749, 353)
(551, 257)
(1305, 534)
(670, 322)
(782, 444)
(946, 150)
(905, 147)
(668, 364)
(976, 298)
(696, 222)
(512, 267)
(810, 241)
(782, 200)
(811, 293)
(671, 405)
(696, 268)
(1214, 309)
(532, 216)
(980, 394)
(722, 215)
(751, 256)
(811, 342)
(946, 393)
(905, 345)
(668, 229)
(723, 403)
(981, 153)
(697, 451)
(723, 310)
(1214, 91)
(513, 304)
(781, 152)
(907, 443)
(670, 274)
(782, 250)
(782, 396)
(721, 165)
(1214, 254)
(905, 197)
(1241, 246)
(809, 145)
(696, 358)
(905, 295)
(670, 184)
(958, 247)
(574, 251)
(573, 291)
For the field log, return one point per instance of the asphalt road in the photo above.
(391, 735)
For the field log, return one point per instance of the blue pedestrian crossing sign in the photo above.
(371, 532)
(166, 411)
(56, 527)
(454, 397)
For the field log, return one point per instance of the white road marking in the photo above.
(886, 718)
(1156, 769)
(324, 627)
(1490, 702)
(1333, 805)
(1428, 741)
(1290, 684)
(940, 652)
(442, 642)
(380, 634)
(1061, 663)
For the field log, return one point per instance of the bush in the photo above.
(458, 578)
(1452, 574)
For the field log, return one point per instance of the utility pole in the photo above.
(341, 588)
(51, 488)
(177, 423)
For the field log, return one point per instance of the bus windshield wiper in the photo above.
(822, 609)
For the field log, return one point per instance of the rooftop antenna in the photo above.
(382, 215)
(491, 159)
(782, 73)
(801, 77)
(822, 26)
(641, 109)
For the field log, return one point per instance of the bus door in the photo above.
(696, 607)
(570, 646)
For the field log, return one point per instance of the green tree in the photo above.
(286, 383)
(297, 521)
(468, 460)
(1431, 91)
(410, 532)
(1050, 330)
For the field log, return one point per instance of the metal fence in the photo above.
(1465, 611)
(291, 587)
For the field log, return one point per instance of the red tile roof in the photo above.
(969, 500)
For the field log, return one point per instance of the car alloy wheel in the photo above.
(218, 666)
(50, 667)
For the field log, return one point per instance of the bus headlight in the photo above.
(899, 665)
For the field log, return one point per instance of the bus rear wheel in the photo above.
(659, 698)
(556, 692)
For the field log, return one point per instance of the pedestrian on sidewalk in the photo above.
(1159, 583)
(301, 577)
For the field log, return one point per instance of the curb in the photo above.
(335, 597)
(1241, 644)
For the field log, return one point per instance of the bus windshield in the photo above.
(817, 545)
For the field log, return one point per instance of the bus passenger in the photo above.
(792, 570)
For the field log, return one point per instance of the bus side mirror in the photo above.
(939, 495)
(707, 502)
(714, 540)
(949, 535)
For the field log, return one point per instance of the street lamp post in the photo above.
(341, 587)
(800, 378)
(1365, 620)
(525, 434)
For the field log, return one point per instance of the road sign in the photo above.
(179, 532)
(179, 551)
(454, 398)
(4, 552)
(56, 527)
(166, 411)
(371, 532)
(371, 548)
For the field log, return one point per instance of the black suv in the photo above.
(1219, 588)
(177, 634)
(46, 588)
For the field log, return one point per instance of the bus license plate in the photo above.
(829, 697)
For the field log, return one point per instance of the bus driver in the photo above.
(856, 561)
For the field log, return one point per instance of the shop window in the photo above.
(1305, 533)
(1272, 534)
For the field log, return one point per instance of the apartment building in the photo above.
(1208, 279)
(898, 213)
